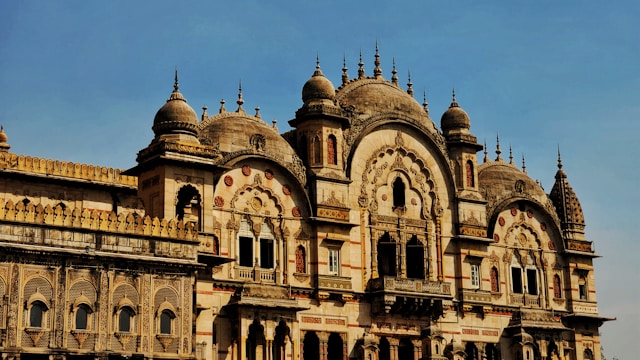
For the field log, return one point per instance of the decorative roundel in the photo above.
(414, 201)
(256, 203)
(529, 214)
(246, 170)
(551, 245)
(496, 237)
(218, 201)
(295, 211)
(286, 190)
(543, 226)
(228, 180)
(501, 221)
(268, 174)
(384, 197)
(514, 211)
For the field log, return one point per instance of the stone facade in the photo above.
(364, 232)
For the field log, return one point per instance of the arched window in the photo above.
(267, 251)
(245, 244)
(415, 258)
(532, 276)
(82, 317)
(384, 349)
(582, 287)
(495, 280)
(335, 348)
(557, 290)
(125, 319)
(311, 346)
(301, 260)
(398, 193)
(188, 206)
(332, 150)
(166, 318)
(316, 148)
(471, 351)
(36, 314)
(588, 355)
(469, 173)
(304, 148)
(386, 255)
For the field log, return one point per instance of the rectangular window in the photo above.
(475, 276)
(246, 251)
(334, 261)
(516, 280)
(582, 289)
(266, 253)
(532, 281)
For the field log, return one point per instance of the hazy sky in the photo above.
(81, 81)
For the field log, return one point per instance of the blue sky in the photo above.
(81, 81)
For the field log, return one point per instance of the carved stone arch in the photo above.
(387, 160)
(497, 206)
(513, 229)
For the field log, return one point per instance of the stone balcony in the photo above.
(418, 287)
(525, 300)
(475, 296)
(409, 297)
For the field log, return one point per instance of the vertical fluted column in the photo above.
(417, 349)
(393, 348)
(324, 339)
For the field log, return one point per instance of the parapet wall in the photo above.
(36, 165)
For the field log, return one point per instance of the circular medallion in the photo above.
(514, 211)
(501, 221)
(496, 237)
(228, 180)
(268, 174)
(551, 246)
(414, 201)
(256, 203)
(218, 201)
(295, 211)
(543, 226)
(246, 170)
(529, 214)
(286, 190)
(384, 197)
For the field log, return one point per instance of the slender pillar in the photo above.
(393, 348)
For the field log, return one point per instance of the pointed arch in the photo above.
(470, 178)
(188, 207)
(316, 149)
(332, 150)
(301, 260)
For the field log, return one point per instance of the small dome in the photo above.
(175, 116)
(318, 87)
(454, 117)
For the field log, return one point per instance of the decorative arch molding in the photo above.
(360, 128)
(295, 167)
(377, 173)
(512, 232)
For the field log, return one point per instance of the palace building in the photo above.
(367, 231)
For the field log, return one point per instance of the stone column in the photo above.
(393, 348)
(417, 349)
(324, 339)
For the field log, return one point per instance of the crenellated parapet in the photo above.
(96, 220)
(29, 164)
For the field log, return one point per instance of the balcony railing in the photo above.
(255, 274)
(475, 296)
(417, 286)
(525, 299)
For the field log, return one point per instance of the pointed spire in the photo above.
(377, 71)
(559, 159)
(222, 109)
(454, 102)
(425, 104)
(175, 81)
(176, 95)
(345, 76)
(360, 67)
(394, 72)
(409, 84)
(510, 155)
(486, 152)
(204, 112)
(318, 72)
(524, 166)
(240, 101)
(498, 151)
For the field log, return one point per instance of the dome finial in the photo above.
(409, 84)
(524, 166)
(240, 101)
(257, 109)
(559, 159)
(4, 147)
(360, 67)
(498, 151)
(377, 71)
(394, 72)
(204, 112)
(454, 102)
(175, 81)
(486, 152)
(222, 109)
(510, 155)
(345, 76)
(425, 104)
